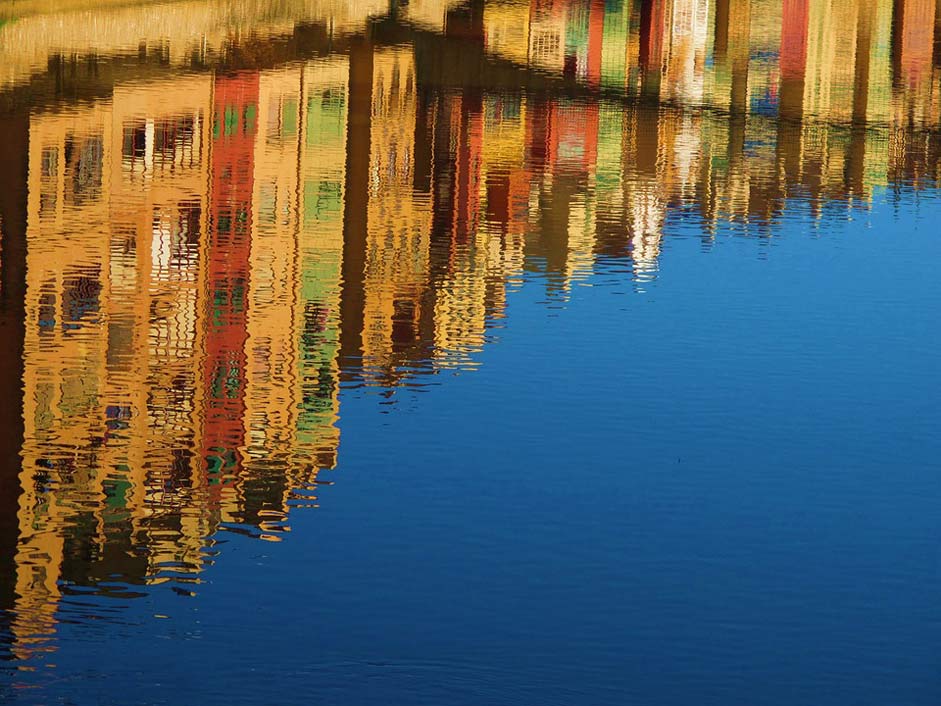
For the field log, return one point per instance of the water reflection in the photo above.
(215, 215)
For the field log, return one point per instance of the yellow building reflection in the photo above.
(397, 244)
(130, 374)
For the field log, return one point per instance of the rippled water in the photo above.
(550, 352)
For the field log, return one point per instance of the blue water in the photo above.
(470, 352)
(720, 487)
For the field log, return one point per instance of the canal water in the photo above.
(497, 352)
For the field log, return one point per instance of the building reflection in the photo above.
(193, 261)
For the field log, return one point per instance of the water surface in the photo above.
(566, 352)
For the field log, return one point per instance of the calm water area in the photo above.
(531, 352)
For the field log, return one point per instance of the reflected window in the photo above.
(319, 389)
(325, 117)
(289, 118)
(267, 203)
(85, 161)
(511, 106)
(47, 309)
(133, 147)
(273, 127)
(173, 141)
(189, 223)
(315, 321)
(47, 201)
(250, 117)
(404, 325)
(322, 199)
(230, 121)
(120, 343)
(117, 416)
(81, 294)
(49, 183)
(546, 45)
(50, 162)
